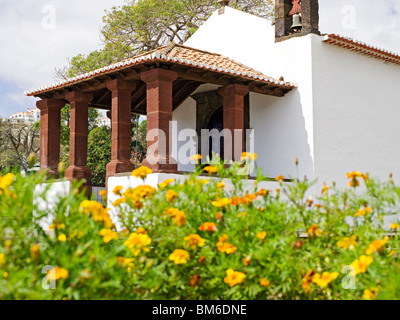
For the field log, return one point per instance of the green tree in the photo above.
(99, 153)
(143, 25)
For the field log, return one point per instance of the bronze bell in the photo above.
(297, 25)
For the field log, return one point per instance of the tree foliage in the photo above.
(143, 25)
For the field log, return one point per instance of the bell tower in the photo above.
(294, 18)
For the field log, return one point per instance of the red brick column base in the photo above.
(50, 123)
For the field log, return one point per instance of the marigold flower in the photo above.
(108, 235)
(97, 211)
(57, 225)
(309, 201)
(194, 240)
(347, 242)
(2, 259)
(262, 192)
(165, 183)
(360, 265)
(280, 178)
(127, 263)
(226, 247)
(138, 242)
(264, 282)
(219, 216)
(235, 201)
(261, 235)
(5, 182)
(117, 190)
(62, 237)
(221, 184)
(247, 260)
(210, 169)
(234, 277)
(194, 280)
(324, 279)
(307, 279)
(248, 198)
(196, 157)
(179, 217)
(171, 195)
(221, 202)
(179, 256)
(314, 230)
(325, 189)
(141, 172)
(57, 273)
(394, 226)
(376, 245)
(248, 156)
(208, 226)
(368, 295)
(202, 259)
(103, 193)
(354, 174)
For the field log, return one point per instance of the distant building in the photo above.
(31, 115)
(103, 122)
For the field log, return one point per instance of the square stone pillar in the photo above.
(78, 141)
(120, 127)
(159, 114)
(50, 123)
(283, 21)
(233, 106)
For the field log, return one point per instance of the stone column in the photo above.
(78, 140)
(283, 21)
(120, 127)
(233, 105)
(159, 114)
(310, 16)
(50, 123)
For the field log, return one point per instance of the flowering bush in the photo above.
(202, 239)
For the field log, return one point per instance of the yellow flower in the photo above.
(376, 245)
(194, 240)
(208, 226)
(234, 277)
(280, 178)
(165, 183)
(179, 217)
(354, 174)
(58, 273)
(394, 226)
(108, 235)
(226, 247)
(196, 158)
(210, 169)
(97, 211)
(221, 202)
(324, 279)
(241, 214)
(221, 184)
(117, 190)
(103, 193)
(5, 182)
(141, 172)
(307, 279)
(137, 242)
(57, 226)
(247, 260)
(62, 237)
(369, 295)
(126, 263)
(261, 235)
(5, 274)
(2, 259)
(264, 282)
(179, 256)
(360, 265)
(171, 195)
(314, 230)
(248, 156)
(347, 242)
(325, 189)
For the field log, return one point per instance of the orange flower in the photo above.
(314, 230)
(261, 235)
(179, 217)
(194, 280)
(141, 172)
(234, 277)
(219, 216)
(264, 282)
(376, 245)
(247, 260)
(194, 240)
(171, 195)
(235, 201)
(202, 259)
(280, 178)
(210, 169)
(208, 226)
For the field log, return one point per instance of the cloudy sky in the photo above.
(37, 36)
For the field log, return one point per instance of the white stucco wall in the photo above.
(356, 114)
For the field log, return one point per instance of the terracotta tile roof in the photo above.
(362, 47)
(177, 54)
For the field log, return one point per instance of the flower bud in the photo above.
(31, 159)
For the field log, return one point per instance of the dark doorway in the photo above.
(216, 122)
